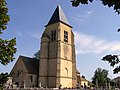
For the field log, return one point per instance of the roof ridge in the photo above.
(27, 57)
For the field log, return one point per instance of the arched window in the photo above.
(65, 36)
(53, 35)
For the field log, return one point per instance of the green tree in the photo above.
(110, 3)
(37, 55)
(3, 79)
(113, 60)
(91, 84)
(7, 47)
(100, 77)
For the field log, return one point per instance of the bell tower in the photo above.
(57, 64)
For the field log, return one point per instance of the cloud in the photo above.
(89, 12)
(36, 35)
(80, 19)
(91, 44)
(19, 33)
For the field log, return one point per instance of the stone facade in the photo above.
(84, 82)
(58, 56)
(57, 65)
(23, 75)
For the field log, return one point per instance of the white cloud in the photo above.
(79, 19)
(91, 44)
(36, 35)
(89, 12)
(19, 33)
(117, 47)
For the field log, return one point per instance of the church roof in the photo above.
(31, 64)
(58, 16)
(77, 71)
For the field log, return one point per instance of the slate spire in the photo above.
(58, 16)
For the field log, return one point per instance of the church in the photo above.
(57, 64)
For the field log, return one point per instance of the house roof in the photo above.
(58, 16)
(31, 64)
(117, 77)
(83, 79)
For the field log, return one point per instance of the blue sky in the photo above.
(94, 25)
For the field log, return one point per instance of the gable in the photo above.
(18, 67)
(25, 64)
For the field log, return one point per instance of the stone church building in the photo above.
(57, 64)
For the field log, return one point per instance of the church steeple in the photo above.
(57, 64)
(58, 16)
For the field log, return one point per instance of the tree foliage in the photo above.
(110, 3)
(7, 47)
(100, 77)
(3, 79)
(91, 84)
(4, 18)
(112, 60)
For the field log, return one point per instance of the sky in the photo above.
(94, 25)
